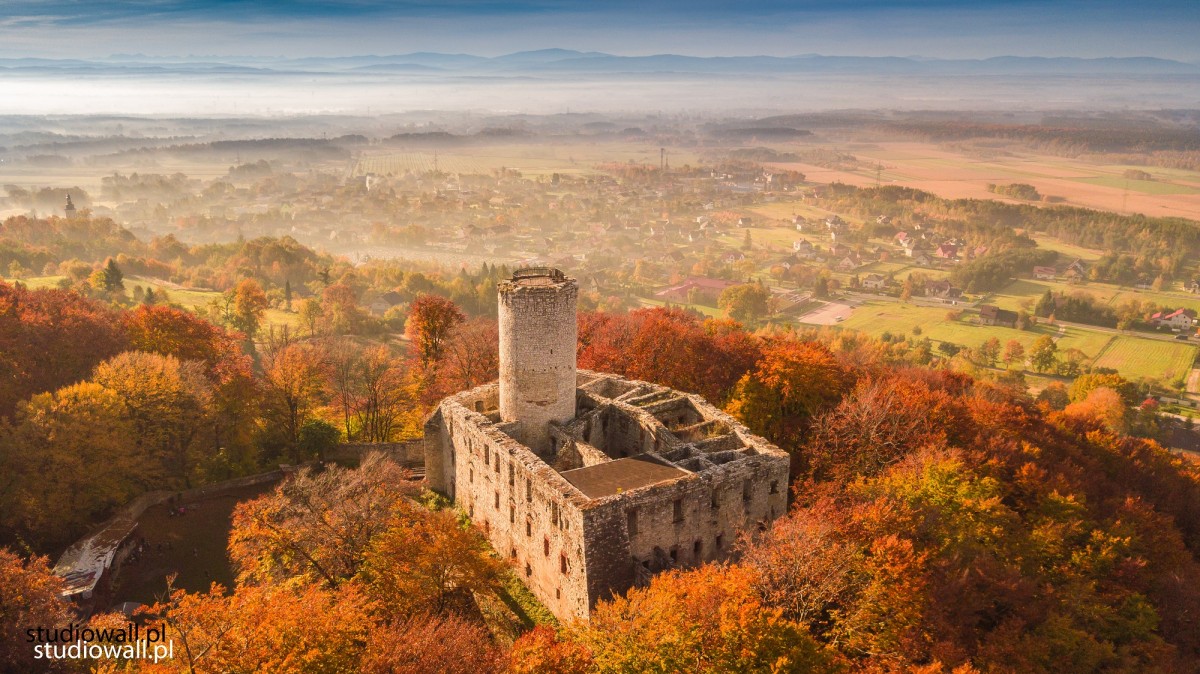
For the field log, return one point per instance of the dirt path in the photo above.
(1193, 381)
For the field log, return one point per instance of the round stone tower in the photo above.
(538, 333)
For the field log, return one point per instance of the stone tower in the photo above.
(538, 333)
(69, 209)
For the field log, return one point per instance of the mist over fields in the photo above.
(555, 81)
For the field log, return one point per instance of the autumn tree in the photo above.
(668, 346)
(296, 629)
(50, 339)
(431, 320)
(423, 558)
(29, 598)
(542, 650)
(71, 457)
(989, 352)
(447, 644)
(746, 302)
(235, 397)
(247, 305)
(293, 385)
(316, 526)
(705, 620)
(1043, 355)
(1083, 386)
(471, 356)
(1014, 354)
(792, 382)
(339, 304)
(880, 422)
(167, 400)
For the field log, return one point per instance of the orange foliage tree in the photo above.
(28, 599)
(705, 620)
(791, 383)
(668, 346)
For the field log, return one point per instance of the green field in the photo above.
(1135, 358)
(1068, 250)
(1144, 186)
(876, 319)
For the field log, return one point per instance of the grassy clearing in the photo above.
(877, 317)
(1068, 250)
(707, 311)
(1143, 186)
(1136, 358)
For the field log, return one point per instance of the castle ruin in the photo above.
(588, 482)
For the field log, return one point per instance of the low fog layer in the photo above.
(374, 85)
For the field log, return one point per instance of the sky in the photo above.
(298, 28)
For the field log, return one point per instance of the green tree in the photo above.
(114, 280)
(1043, 356)
(746, 302)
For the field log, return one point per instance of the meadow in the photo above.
(958, 172)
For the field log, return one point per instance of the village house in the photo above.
(1180, 319)
(1045, 273)
(946, 251)
(943, 290)
(993, 315)
(875, 282)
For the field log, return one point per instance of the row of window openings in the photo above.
(714, 503)
(697, 550)
(563, 566)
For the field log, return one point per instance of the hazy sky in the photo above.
(934, 28)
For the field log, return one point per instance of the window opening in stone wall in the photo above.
(562, 563)
(478, 405)
(512, 475)
(720, 541)
(631, 521)
(697, 549)
(497, 502)
(546, 546)
(774, 486)
(677, 510)
(471, 476)
(529, 489)
(528, 527)
(512, 514)
(746, 490)
(674, 554)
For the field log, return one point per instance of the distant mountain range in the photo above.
(553, 62)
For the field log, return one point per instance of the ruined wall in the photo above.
(681, 523)
(530, 514)
(538, 335)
